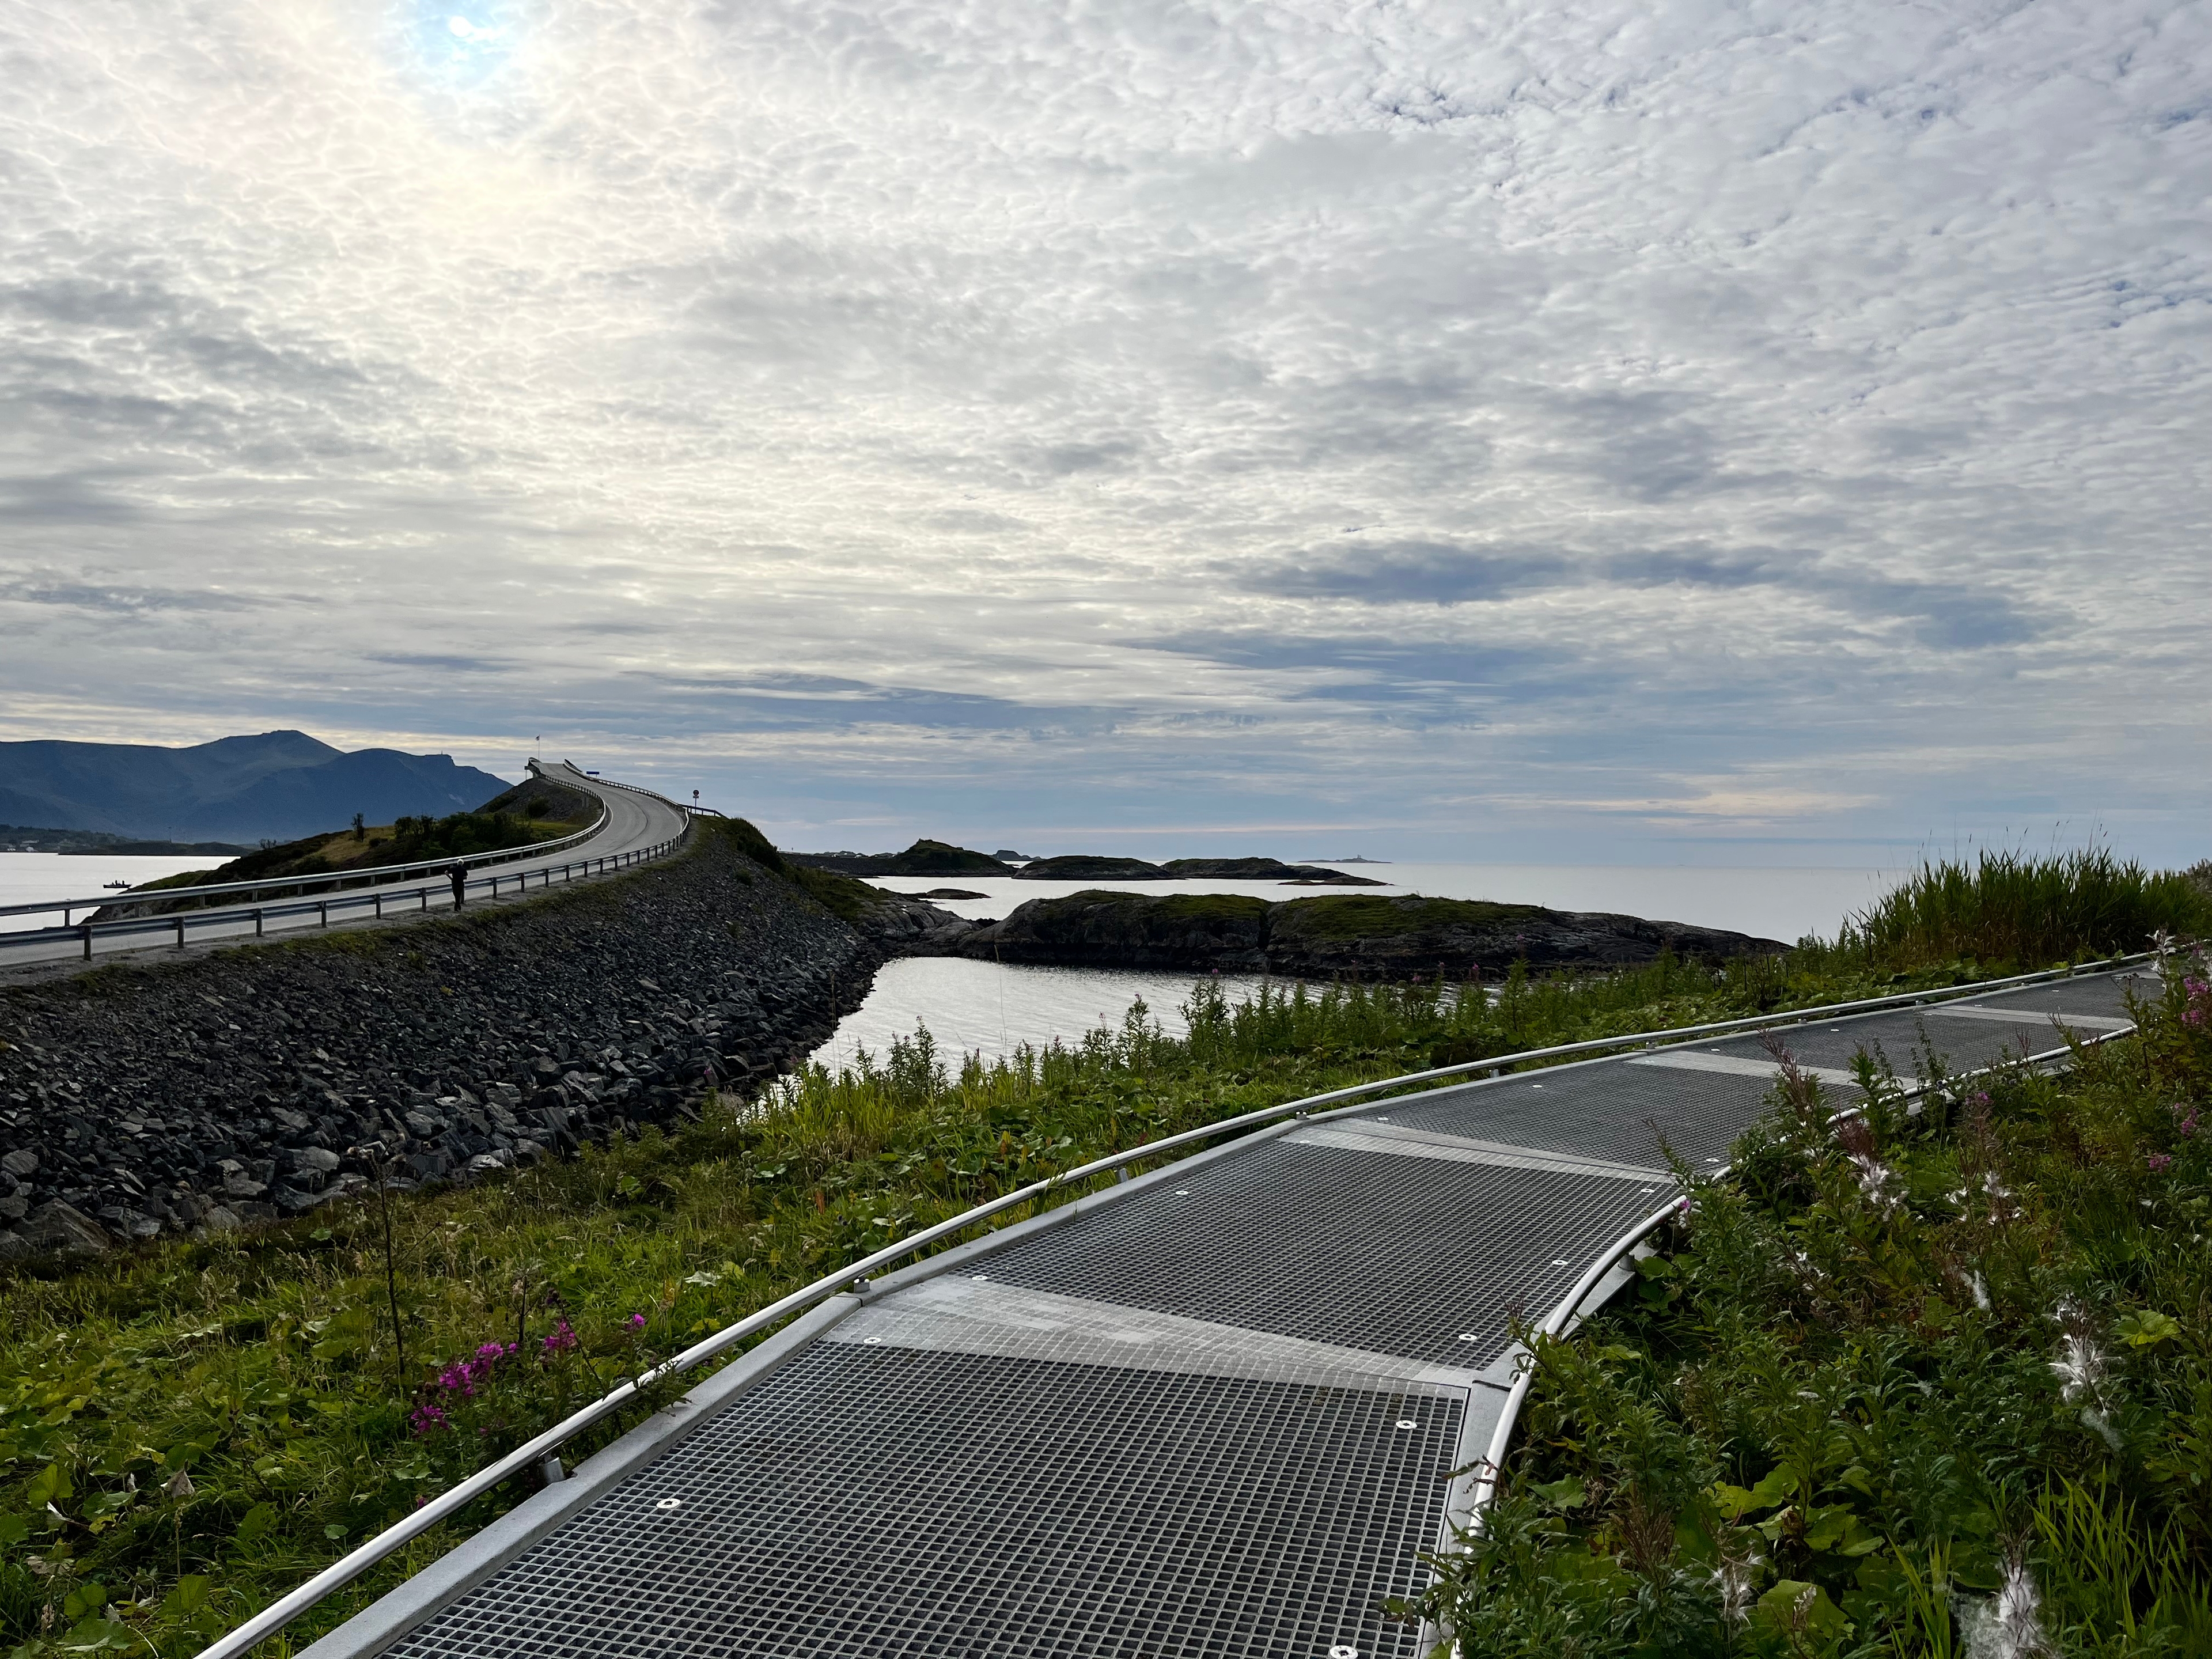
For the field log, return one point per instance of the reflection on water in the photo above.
(985, 1007)
(33, 878)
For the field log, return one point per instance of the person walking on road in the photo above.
(459, 877)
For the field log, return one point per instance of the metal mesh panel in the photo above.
(1609, 1110)
(1963, 1045)
(883, 1501)
(1405, 1256)
(1597, 1111)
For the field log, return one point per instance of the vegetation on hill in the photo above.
(190, 1429)
(366, 848)
(2012, 907)
(1916, 1383)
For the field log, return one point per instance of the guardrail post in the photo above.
(379, 898)
(423, 893)
(86, 931)
(180, 933)
(257, 922)
(323, 906)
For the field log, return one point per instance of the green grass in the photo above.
(1895, 1364)
(2010, 907)
(216, 1420)
(1368, 916)
(189, 1429)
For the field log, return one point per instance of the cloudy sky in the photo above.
(1772, 430)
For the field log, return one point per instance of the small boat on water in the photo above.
(114, 886)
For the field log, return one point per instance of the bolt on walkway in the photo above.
(1216, 1411)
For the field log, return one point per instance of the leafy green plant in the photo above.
(1925, 1384)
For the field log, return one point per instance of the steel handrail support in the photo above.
(374, 893)
(377, 876)
(351, 1566)
(1561, 1316)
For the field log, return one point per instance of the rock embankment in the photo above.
(1366, 937)
(138, 1101)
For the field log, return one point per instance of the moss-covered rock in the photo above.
(1366, 937)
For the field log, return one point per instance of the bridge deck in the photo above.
(1216, 1412)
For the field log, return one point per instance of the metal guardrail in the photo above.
(378, 897)
(527, 1456)
(378, 875)
(1562, 1317)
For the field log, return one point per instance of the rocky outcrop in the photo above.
(142, 1100)
(1086, 867)
(1363, 937)
(924, 857)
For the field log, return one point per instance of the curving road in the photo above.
(639, 824)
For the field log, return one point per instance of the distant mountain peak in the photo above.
(277, 785)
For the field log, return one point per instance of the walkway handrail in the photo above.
(373, 876)
(1561, 1316)
(351, 1566)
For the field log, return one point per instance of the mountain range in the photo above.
(276, 785)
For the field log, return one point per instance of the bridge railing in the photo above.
(331, 880)
(529, 1456)
(381, 891)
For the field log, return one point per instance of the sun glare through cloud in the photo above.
(1778, 424)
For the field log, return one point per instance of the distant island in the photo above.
(86, 843)
(937, 858)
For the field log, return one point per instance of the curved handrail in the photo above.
(351, 1566)
(372, 877)
(1555, 1323)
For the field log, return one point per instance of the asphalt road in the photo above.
(635, 822)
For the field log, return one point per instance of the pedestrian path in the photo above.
(1222, 1409)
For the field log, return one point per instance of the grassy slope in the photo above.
(213, 1420)
(1897, 1367)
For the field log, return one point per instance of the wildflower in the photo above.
(1981, 1290)
(562, 1339)
(2159, 1162)
(637, 1321)
(1736, 1579)
(2080, 1362)
(2011, 1625)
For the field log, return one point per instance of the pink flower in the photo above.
(637, 1321)
(2159, 1161)
(562, 1339)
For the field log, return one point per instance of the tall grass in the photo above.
(1931, 1384)
(2024, 910)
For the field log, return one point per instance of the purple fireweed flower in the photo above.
(2159, 1161)
(637, 1321)
(561, 1339)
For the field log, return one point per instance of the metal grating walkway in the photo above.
(1215, 1412)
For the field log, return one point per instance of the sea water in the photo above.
(986, 1007)
(35, 877)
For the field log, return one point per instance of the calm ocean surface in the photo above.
(29, 878)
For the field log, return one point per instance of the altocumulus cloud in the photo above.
(1775, 420)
